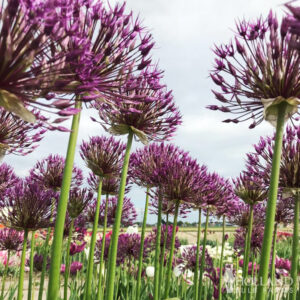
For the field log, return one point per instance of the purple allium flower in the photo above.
(49, 173)
(285, 210)
(250, 189)
(32, 45)
(168, 208)
(241, 211)
(114, 45)
(98, 248)
(103, 155)
(261, 69)
(149, 165)
(38, 262)
(26, 206)
(260, 160)
(188, 259)
(110, 185)
(214, 275)
(129, 213)
(78, 200)
(256, 239)
(17, 136)
(144, 107)
(75, 267)
(11, 239)
(7, 178)
(76, 248)
(151, 238)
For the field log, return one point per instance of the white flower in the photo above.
(182, 248)
(178, 270)
(150, 271)
(132, 229)
(87, 251)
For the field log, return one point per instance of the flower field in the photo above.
(69, 223)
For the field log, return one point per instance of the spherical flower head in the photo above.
(258, 73)
(103, 155)
(38, 262)
(78, 200)
(260, 160)
(250, 189)
(110, 185)
(256, 239)
(145, 108)
(129, 213)
(27, 206)
(49, 173)
(188, 259)
(284, 210)
(241, 211)
(11, 239)
(32, 41)
(7, 178)
(150, 240)
(149, 165)
(168, 207)
(17, 136)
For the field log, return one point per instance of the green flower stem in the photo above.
(170, 261)
(99, 294)
(45, 255)
(295, 250)
(31, 265)
(247, 254)
(67, 268)
(197, 256)
(56, 251)
(90, 268)
(157, 248)
(44, 267)
(203, 256)
(22, 266)
(221, 259)
(273, 290)
(271, 206)
(141, 255)
(117, 223)
(4, 275)
(162, 256)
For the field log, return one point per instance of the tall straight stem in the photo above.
(271, 206)
(221, 260)
(67, 269)
(22, 266)
(45, 255)
(56, 251)
(203, 256)
(295, 249)
(102, 249)
(197, 256)
(4, 275)
(247, 254)
(31, 265)
(90, 268)
(162, 256)
(117, 223)
(157, 247)
(273, 290)
(170, 262)
(141, 255)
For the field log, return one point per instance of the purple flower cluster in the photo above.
(261, 65)
(26, 206)
(103, 156)
(49, 173)
(78, 200)
(11, 239)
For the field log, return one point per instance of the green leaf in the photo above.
(140, 134)
(119, 129)
(12, 103)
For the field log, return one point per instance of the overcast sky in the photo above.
(184, 32)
